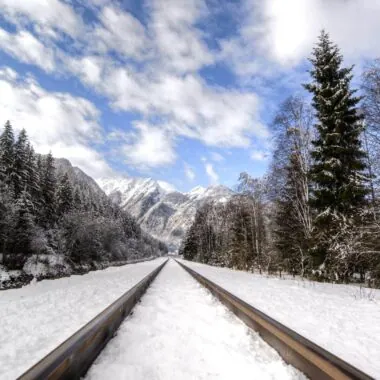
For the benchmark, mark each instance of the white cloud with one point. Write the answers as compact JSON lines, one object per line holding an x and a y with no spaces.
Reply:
{"x":48,"y":16}
{"x":166,"y":88}
{"x":151,"y":147}
{"x":189,"y":172}
{"x":59,"y":122}
{"x":178,"y":41}
{"x":259,"y":155}
{"x":213,"y":115}
{"x":210,"y":171}
{"x":217,"y":157}
{"x":275,"y":33}
{"x":120,"y":32}
{"x":24,"y":46}
{"x":90,"y":69}
{"x":294,"y":27}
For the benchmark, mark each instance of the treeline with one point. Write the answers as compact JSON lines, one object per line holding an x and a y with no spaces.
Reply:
{"x":44,"y":213}
{"x":316,"y":212}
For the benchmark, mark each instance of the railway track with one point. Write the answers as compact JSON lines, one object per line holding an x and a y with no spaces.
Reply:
{"x":311,"y":359}
{"x":73,"y":358}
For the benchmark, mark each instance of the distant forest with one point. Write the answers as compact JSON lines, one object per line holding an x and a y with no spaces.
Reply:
{"x":317,"y":211}
{"x":47,"y":218}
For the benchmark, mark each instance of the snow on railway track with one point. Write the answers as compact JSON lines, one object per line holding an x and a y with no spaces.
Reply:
{"x":180,"y":331}
{"x":311,"y":359}
{"x":38,"y":317}
{"x":342,"y":319}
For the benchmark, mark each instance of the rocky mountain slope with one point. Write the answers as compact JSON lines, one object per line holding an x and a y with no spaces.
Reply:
{"x":79,"y":178}
{"x":161,"y":211}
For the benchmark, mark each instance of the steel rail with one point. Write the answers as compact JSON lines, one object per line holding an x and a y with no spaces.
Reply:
{"x":72,"y":359}
{"x":311,"y":359}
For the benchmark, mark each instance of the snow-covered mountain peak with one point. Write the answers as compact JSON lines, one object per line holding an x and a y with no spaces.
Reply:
{"x":161,"y":210}
{"x":169,"y":188}
{"x":132,"y":185}
{"x":196,"y":191}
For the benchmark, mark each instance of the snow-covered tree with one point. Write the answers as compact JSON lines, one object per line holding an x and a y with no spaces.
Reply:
{"x":338,"y":171}
{"x":39,"y":215}
{"x":23,"y":232}
{"x":371,"y":103}
{"x":48,"y":189}
{"x":64,"y":196}
{"x":33,"y":177}
{"x":289,"y":179}
{"x":7,"y":152}
{"x":78,"y":203}
{"x":20,"y":173}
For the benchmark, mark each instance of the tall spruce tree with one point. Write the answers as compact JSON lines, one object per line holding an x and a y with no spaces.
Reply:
{"x":20,"y":173}
{"x":7,"y":153}
{"x":48,"y":188}
{"x":339,"y":188}
{"x":33,"y":177}
{"x":23,"y":232}
{"x":65,"y":198}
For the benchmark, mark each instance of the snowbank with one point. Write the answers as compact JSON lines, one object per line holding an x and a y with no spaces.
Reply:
{"x":38,"y":317}
{"x":52,"y":266}
{"x":344,"y":319}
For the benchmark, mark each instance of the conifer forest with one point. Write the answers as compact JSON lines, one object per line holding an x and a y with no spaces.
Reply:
{"x":66,"y":224}
{"x":316,"y":212}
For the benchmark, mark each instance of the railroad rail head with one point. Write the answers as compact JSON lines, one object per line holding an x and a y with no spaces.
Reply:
{"x":311,"y":359}
{"x":72,"y":359}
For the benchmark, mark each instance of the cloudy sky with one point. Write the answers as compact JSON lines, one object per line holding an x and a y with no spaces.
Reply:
{"x":178,"y":90}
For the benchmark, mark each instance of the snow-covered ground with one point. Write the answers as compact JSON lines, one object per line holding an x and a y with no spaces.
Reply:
{"x":36,"y":318}
{"x":180,"y":331}
{"x":344,"y":319}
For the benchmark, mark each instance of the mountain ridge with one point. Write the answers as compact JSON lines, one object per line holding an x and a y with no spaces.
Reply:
{"x":165,"y":214}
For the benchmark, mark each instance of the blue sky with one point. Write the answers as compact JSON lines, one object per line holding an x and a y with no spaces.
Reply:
{"x":180,"y":91}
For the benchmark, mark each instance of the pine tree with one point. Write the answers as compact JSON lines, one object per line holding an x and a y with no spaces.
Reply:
{"x":7,"y":153}
{"x":65,"y":200}
{"x":23,"y":232}
{"x":20,"y":174}
{"x":77,"y":199}
{"x":48,"y":189}
{"x":339,"y":161}
{"x":33,"y":177}
{"x":238,"y":246}
{"x":189,"y":246}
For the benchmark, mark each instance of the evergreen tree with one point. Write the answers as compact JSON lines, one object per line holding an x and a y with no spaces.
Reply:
{"x":7,"y":153}
{"x":189,"y":246}
{"x":77,"y":199}
{"x":238,"y":250}
{"x":33,"y":177}
{"x":23,"y":232}
{"x":48,"y":188}
{"x":20,"y":174}
{"x":65,"y":200}
{"x":339,"y":162}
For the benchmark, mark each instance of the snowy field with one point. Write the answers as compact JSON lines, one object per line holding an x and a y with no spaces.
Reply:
{"x":344,"y":319}
{"x":36,"y":318}
{"x":180,"y":331}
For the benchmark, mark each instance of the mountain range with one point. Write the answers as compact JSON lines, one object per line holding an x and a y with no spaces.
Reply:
{"x":160,"y":210}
